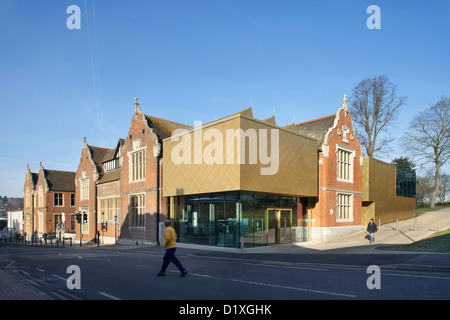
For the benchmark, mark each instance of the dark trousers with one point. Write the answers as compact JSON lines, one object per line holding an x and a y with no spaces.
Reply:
{"x":169,"y":257}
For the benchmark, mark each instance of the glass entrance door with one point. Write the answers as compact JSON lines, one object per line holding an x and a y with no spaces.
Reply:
{"x":279,"y":226}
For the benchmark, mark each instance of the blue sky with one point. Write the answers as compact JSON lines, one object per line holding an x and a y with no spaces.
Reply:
{"x":192,"y":60}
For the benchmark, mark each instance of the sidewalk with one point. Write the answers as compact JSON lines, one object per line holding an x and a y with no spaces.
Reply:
{"x":409,"y":231}
{"x":14,"y":288}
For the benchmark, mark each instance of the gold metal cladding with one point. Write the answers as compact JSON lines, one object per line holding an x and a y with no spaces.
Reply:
{"x":285,"y":161}
{"x":379,"y":194}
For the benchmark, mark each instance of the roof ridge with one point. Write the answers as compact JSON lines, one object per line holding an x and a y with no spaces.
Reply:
{"x":53,"y":170}
{"x":146,"y":115}
{"x":91,"y":146}
{"x":317,"y":119}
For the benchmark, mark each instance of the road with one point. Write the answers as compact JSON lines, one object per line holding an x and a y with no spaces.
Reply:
{"x":131,"y":274}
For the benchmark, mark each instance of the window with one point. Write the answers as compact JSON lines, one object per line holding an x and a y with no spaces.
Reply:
{"x":137,"y":204}
{"x":137,"y":165}
{"x":40,"y":197}
{"x":344,"y":165}
{"x":72,"y":200}
{"x":58,"y":200}
{"x":84,"y":189}
{"x":28,"y":198}
{"x":109,"y":208}
{"x":41,"y":221}
{"x":111,"y":165}
{"x":406,"y":183}
{"x":73,"y":222}
{"x":58,"y":221}
{"x":344,"y":207}
{"x":84,"y":226}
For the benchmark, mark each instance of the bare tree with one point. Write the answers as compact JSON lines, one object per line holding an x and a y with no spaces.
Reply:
{"x":374,"y":104}
{"x":428,"y":139}
{"x":444,"y":187}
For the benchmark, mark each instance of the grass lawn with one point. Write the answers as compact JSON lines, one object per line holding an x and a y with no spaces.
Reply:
{"x":420,"y":211}
{"x":438,"y":242}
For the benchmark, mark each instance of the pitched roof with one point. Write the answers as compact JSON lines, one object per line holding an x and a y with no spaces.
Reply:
{"x":110,"y":154}
{"x":316,"y":128}
{"x":110,"y":176}
{"x":164,"y":128}
{"x":35,"y":177}
{"x":97,"y":155}
{"x":60,"y":180}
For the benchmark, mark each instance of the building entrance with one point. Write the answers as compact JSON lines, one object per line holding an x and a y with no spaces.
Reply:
{"x":279,"y":225}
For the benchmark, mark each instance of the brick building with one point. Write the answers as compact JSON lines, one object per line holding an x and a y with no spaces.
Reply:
{"x":120,"y":188}
{"x":318,"y":187}
{"x":337,"y":209}
{"x":49,"y":202}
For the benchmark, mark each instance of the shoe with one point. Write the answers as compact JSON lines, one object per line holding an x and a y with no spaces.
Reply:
{"x":183,"y":274}
{"x":161,"y":274}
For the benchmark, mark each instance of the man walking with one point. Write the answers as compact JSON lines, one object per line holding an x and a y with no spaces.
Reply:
{"x":170,"y":239}
{"x":372,"y":228}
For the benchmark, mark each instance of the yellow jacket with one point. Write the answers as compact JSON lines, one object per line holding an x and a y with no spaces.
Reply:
{"x":170,"y":238}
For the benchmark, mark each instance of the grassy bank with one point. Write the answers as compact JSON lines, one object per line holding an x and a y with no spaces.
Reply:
{"x":438,"y":242}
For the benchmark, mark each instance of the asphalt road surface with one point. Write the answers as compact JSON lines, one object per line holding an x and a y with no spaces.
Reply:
{"x":220,"y":276}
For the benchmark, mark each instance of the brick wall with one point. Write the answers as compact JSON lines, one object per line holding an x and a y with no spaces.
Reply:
{"x":140,"y":137}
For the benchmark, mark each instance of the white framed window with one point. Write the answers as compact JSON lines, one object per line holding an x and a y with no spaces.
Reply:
{"x":109,"y":208}
{"x":58,"y":200}
{"x":40,"y":228}
{"x":344,"y":164}
{"x":40,"y":197}
{"x":84,"y":226}
{"x":28,"y":198}
{"x":344,"y":207}
{"x":137,"y":165}
{"x":137,"y":204}
{"x":84,"y":189}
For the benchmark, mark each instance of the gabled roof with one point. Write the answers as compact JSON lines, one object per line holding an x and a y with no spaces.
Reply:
{"x":316,"y":128}
{"x":164,"y":128}
{"x":97,"y":155}
{"x":60,"y":180}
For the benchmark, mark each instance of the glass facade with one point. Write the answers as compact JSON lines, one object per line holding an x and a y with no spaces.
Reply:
{"x":224,"y":219}
{"x":406,"y":183}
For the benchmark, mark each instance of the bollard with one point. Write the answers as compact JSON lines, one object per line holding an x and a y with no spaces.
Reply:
{"x":379,"y":223}
{"x":397,"y":224}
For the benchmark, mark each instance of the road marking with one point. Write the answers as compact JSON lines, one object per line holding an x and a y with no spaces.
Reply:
{"x":415,"y":276}
{"x":39,"y":269}
{"x":61,"y":278}
{"x":109,"y":295}
{"x":277,"y":286}
{"x":57,"y":295}
{"x":279,"y":265}
{"x":69,"y":294}
{"x":25,"y":273}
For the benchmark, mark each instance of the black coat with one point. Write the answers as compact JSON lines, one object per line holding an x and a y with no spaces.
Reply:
{"x":372,"y":227}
